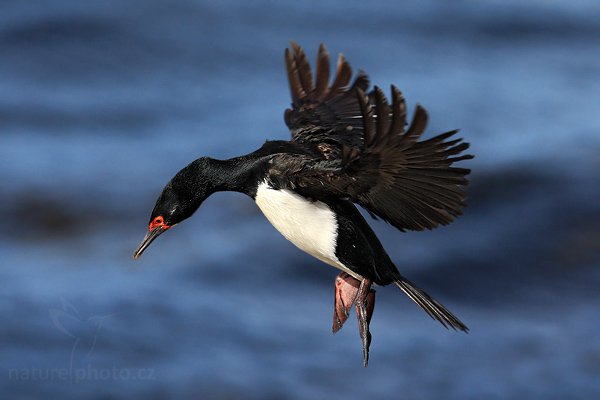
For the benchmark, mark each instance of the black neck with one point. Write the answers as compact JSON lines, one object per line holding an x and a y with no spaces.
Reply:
{"x":239,"y":174}
{"x":206,"y":176}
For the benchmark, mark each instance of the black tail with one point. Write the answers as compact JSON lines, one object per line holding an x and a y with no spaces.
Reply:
{"x":431,"y":306}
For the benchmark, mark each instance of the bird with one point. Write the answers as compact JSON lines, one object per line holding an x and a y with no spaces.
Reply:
{"x":350,"y":146}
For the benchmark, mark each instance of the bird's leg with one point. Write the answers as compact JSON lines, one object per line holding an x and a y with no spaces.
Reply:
{"x":365,"y":304}
{"x":349,"y":291}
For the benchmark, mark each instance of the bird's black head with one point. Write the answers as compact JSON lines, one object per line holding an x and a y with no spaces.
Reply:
{"x":180,"y":198}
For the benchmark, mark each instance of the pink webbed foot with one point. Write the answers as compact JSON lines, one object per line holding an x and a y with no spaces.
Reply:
{"x":346,"y":289}
{"x":349,"y":291}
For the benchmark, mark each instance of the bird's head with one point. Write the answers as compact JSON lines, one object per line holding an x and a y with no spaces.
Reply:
{"x":180,"y":198}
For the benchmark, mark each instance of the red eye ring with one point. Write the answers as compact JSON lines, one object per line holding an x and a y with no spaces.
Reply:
{"x":158,"y":222}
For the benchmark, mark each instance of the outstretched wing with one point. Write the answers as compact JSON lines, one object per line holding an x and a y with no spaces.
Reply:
{"x":409,"y":183}
{"x":321,"y":112}
{"x":413,"y":184}
{"x":368,"y":157}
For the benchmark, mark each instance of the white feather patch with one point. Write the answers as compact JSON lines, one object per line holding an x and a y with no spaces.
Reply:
{"x":310,"y":225}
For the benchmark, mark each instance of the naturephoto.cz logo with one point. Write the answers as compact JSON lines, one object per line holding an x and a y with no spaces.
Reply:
{"x":84,"y":333}
{"x":80,"y":374}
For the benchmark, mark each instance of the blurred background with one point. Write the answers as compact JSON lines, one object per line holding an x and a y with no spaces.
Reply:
{"x":101,"y":102}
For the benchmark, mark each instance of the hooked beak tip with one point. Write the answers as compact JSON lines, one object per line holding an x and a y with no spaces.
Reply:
{"x":137,"y":253}
{"x":149,"y":238}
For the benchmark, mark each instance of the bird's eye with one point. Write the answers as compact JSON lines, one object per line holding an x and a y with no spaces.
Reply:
{"x":158,"y":220}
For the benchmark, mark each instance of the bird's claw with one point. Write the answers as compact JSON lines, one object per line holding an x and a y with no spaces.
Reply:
{"x":349,"y":291}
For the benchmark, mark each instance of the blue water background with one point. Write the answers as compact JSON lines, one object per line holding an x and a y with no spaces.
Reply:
{"x":101,"y":102}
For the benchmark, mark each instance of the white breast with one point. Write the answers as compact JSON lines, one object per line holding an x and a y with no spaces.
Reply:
{"x":310,"y":225}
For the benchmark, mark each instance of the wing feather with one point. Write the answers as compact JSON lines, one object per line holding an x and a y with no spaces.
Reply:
{"x":320,"y":111}
{"x":343,"y":74}
{"x":296,"y":88}
{"x":322,"y":75}
{"x":302,"y":68}
{"x":366,"y":111}
{"x":383,"y":112}
{"x":399,"y":110}
{"x":370,"y":158}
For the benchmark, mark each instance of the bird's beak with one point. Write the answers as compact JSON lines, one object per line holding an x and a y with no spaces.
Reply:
{"x":150,"y":236}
